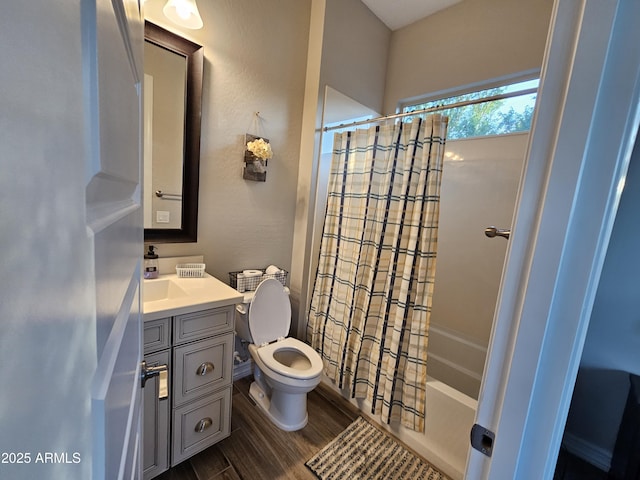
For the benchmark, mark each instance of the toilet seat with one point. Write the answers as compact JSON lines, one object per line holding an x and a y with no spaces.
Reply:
{"x":269,"y":321}
{"x":267,"y":352}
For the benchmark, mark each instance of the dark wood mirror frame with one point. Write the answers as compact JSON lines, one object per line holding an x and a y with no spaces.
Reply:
{"x":194,"y":56}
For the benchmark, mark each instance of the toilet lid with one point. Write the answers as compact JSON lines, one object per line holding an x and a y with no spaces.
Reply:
{"x":269,"y":312}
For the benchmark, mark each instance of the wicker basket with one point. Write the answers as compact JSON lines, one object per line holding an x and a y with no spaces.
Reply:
{"x":190,"y":270}
{"x":247,"y":284}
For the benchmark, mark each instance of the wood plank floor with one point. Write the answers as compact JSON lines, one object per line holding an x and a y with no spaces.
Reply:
{"x":258,"y":449}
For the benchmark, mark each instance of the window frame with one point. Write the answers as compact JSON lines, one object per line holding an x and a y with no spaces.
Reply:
{"x":504,"y":81}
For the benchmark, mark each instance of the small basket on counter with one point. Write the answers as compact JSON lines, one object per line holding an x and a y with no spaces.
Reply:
{"x":247,"y":283}
{"x":190,"y":270}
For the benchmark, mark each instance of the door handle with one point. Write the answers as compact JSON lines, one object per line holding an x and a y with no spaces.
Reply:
{"x":147,"y":372}
{"x":492,"y":232}
{"x":160,"y":371}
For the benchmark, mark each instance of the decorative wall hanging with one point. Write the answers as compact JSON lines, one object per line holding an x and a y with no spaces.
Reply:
{"x":256,"y":156}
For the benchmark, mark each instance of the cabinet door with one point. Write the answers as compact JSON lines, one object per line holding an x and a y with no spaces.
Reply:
{"x":200,"y":424}
{"x":202,"y":368}
{"x":156,"y":335}
{"x":156,"y":421}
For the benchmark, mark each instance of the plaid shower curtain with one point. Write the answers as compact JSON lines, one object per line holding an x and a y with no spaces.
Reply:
{"x":371,"y":302}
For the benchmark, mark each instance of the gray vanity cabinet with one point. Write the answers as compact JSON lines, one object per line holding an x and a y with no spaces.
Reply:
{"x":202,"y":380}
{"x":197,"y":414}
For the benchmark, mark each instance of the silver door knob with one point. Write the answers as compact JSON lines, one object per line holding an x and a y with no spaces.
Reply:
{"x":492,"y":232}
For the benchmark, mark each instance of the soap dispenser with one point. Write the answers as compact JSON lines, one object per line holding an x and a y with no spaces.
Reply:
{"x":151,"y":269}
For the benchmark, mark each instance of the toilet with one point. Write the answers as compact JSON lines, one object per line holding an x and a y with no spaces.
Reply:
{"x":286,"y":369}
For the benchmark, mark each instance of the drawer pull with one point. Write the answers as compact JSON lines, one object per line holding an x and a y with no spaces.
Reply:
{"x":205,"y":368}
{"x":203,"y":424}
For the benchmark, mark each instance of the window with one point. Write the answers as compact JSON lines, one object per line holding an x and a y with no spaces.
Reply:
{"x":492,"y":117}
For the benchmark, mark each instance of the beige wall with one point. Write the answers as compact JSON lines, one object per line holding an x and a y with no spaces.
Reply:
{"x":255,"y":59}
{"x":348,"y":52}
{"x":354,"y":52}
{"x":473,"y":41}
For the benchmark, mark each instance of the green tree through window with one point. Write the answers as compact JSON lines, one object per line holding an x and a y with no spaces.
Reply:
{"x":494,"y":117}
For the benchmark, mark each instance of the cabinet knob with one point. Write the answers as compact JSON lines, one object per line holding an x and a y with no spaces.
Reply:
{"x":203,"y":424}
{"x":205,"y":368}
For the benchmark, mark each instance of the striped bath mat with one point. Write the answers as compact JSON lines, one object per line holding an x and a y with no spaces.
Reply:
{"x":362,"y":452}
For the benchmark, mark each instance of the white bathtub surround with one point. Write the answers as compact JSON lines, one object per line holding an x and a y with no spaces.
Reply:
{"x":455,"y":358}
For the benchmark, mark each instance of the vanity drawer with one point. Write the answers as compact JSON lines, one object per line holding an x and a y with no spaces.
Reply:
{"x":194,"y":326}
{"x":202,"y":367}
{"x":157,"y":334}
{"x":200,"y":424}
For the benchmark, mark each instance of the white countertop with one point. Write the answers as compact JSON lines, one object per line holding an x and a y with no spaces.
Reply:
{"x":202,"y":293}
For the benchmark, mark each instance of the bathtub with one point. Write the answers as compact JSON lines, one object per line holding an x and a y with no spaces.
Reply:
{"x":449,"y":418}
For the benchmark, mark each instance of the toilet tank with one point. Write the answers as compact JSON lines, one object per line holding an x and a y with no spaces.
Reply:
{"x":242,"y":317}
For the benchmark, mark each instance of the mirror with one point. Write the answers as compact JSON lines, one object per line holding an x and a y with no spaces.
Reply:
{"x":173,"y":104}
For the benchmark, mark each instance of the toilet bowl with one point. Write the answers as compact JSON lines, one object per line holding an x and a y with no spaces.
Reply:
{"x":286,"y":369}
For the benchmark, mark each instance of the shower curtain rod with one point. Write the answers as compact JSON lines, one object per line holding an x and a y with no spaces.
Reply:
{"x":500,"y":96}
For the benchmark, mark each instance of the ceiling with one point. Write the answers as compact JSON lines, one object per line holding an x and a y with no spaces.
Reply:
{"x":399,"y":13}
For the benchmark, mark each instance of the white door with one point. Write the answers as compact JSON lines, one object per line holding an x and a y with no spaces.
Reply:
{"x":584,"y":131}
{"x":114,"y":37}
{"x":70,"y":239}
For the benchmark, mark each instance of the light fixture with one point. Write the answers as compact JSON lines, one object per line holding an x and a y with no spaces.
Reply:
{"x":184,"y":13}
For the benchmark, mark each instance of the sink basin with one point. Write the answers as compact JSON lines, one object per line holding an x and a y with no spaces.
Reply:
{"x":161,"y":289}
{"x":171,"y":295}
